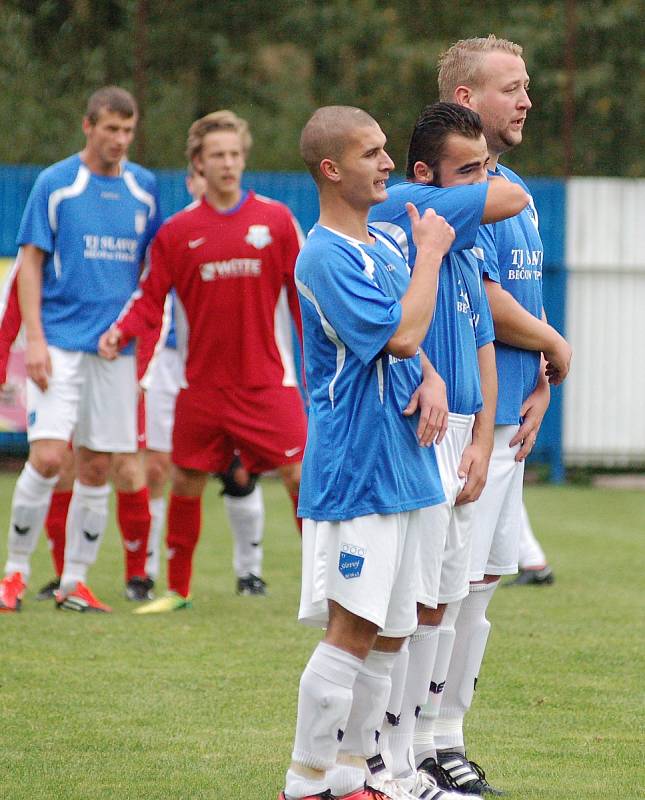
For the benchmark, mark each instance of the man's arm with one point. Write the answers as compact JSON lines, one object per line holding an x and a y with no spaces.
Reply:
{"x":433,"y":237}
{"x":30,"y":280}
{"x":504,"y":199}
{"x":431,"y":401}
{"x":475,"y":458}
{"x":532,"y":412}
{"x":516,"y":326}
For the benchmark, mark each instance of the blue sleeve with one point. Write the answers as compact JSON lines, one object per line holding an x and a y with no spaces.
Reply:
{"x":360,"y":313}
{"x":488,"y":250}
{"x":34,"y":226}
{"x":485,"y":329}
{"x":461,"y":206}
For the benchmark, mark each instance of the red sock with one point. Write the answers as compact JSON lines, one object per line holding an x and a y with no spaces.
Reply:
{"x":294,"y":500}
{"x":184,"y":524}
{"x":133,"y":515}
{"x":55,"y":526}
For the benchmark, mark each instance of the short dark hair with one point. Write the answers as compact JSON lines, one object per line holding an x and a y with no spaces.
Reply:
{"x":433,"y":126}
{"x":112,"y":98}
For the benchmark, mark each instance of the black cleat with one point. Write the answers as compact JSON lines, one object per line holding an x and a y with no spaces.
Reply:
{"x":533,"y":577}
{"x":251,"y":585}
{"x":139,"y":589}
{"x":468,"y":776}
{"x":436,"y":771}
{"x":47,"y":591}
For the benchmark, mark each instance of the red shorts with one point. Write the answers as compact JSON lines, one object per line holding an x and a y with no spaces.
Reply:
{"x":267,"y":426}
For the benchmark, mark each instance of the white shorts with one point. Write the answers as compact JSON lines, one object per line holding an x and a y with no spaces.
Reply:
{"x":444,"y":549}
{"x":498,"y":512}
{"x":164,"y":382}
{"x":88,"y":397}
{"x":368,"y":565}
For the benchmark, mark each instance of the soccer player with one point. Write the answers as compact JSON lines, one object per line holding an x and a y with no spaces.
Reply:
{"x":230,"y":259}
{"x":366,"y":480}
{"x":446,"y":171}
{"x":83,"y":237}
{"x":532,"y":561}
{"x":488,"y":75}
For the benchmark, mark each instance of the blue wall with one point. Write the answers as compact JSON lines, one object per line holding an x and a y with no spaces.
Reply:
{"x":297,"y":190}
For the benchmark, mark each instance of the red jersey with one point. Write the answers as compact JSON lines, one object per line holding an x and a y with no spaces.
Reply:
{"x":233,"y":277}
{"x":10,"y":318}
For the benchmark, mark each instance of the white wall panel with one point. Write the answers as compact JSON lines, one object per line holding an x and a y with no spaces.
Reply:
{"x":604,"y":408}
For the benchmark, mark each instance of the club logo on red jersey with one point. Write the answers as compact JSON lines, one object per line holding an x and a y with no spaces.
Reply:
{"x":259,"y":236}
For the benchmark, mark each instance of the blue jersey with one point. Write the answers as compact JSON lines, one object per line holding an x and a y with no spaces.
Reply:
{"x":462,"y":320}
{"x":94,"y":231}
{"x":513,"y":256}
{"x":362,"y":455}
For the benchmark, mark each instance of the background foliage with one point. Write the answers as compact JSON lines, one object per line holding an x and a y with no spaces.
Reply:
{"x":276,"y":62}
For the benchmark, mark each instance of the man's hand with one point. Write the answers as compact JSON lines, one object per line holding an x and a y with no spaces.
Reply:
{"x":38,"y":362}
{"x":431,"y":401}
{"x":474,"y":468}
{"x":430,"y":232}
{"x":109,"y":343}
{"x":558,"y":361}
{"x":532,"y":413}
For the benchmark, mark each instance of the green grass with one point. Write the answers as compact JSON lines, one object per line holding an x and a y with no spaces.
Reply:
{"x":200,"y":704}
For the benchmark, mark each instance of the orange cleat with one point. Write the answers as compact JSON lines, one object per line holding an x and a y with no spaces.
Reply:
{"x":12,"y":588}
{"x":80,"y":599}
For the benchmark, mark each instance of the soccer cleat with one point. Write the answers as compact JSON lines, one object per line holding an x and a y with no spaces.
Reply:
{"x":326,"y":795}
{"x":80,"y":599}
{"x":422,"y":785}
{"x":468,"y":776}
{"x":171,"y":601}
{"x":430,"y":767}
{"x":370,"y":793}
{"x":252,"y":584}
{"x":12,"y":588}
{"x":533,"y":577}
{"x":139,"y":589}
{"x":47,"y":591}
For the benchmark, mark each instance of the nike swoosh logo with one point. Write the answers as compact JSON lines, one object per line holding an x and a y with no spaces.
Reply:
{"x":292,"y":452}
{"x":132,"y":546}
{"x":91,"y":537}
{"x":193,"y":243}
{"x":21,"y":531}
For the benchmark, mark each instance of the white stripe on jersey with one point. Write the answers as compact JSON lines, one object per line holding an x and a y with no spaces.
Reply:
{"x":284,"y":339}
{"x":166,"y":319}
{"x":330,"y":333}
{"x":140,"y":193}
{"x":398,"y":234}
{"x":65,"y":192}
{"x":478,"y":252}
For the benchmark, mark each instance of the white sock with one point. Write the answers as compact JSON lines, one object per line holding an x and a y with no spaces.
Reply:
{"x":423,"y":651}
{"x":361,"y":739}
{"x":472,"y":630}
{"x":157,"y":520}
{"x":86,"y":523}
{"x":246,"y":518}
{"x":530,"y":552}
{"x":324,"y":704}
{"x":31,"y":499}
{"x":424,"y":730}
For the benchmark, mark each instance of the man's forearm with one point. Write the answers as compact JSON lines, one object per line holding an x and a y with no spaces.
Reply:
{"x":484,"y":425}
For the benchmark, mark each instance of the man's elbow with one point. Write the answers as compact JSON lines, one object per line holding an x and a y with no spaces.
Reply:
{"x":402,"y":346}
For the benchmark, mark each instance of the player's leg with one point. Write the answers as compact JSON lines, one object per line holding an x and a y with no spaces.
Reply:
{"x":51,"y":417}
{"x":56,"y":522}
{"x":244,"y":506}
{"x":158,"y":468}
{"x":533,"y":564}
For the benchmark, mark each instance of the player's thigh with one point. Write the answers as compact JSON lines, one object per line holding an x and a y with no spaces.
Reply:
{"x":449,"y":453}
{"x":53,"y":414}
{"x":268,"y":425}
{"x":107,"y":420}
{"x":161,"y":397}
{"x":432,"y":542}
{"x":455,"y":564}
{"x":504,"y":551}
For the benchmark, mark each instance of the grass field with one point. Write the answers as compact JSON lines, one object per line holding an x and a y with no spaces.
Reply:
{"x":200,"y":704}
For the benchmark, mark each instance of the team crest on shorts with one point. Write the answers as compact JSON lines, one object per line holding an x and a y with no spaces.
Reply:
{"x":259,"y":236}
{"x":352,"y":558}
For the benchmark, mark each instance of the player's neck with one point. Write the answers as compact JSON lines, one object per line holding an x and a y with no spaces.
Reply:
{"x":97,"y":166}
{"x":348,"y":221}
{"x":224,"y":201}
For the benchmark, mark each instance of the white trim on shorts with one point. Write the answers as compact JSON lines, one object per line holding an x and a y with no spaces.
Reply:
{"x":498,"y":512}
{"x":89,"y":398}
{"x":368,"y":565}
{"x":444,"y":548}
{"x":163,"y":384}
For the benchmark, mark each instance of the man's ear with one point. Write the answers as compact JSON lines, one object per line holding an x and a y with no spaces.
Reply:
{"x":422,"y":172}
{"x":329,"y":170}
{"x":463,"y":96}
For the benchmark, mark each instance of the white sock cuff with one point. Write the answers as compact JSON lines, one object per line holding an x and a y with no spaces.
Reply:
{"x":424,"y":632}
{"x":335,"y":665}
{"x":379,"y":663}
{"x":483,"y":587}
{"x":157,"y":504}
{"x":32,"y":474}
{"x":93,"y":497}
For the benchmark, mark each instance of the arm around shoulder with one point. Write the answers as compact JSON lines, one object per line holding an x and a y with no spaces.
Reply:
{"x":504,"y":199}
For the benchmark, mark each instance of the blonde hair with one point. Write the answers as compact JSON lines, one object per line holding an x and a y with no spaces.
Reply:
{"x":223,"y":120}
{"x":460,"y":64}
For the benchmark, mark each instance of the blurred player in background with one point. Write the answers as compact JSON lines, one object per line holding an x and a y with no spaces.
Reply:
{"x":488,"y":75}
{"x":83,"y":237}
{"x":534,"y":567}
{"x":230,"y":259}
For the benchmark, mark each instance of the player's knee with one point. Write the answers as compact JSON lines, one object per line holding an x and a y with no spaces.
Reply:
{"x":46,"y":459}
{"x":128,"y":472}
{"x":157,"y":469}
{"x":431,"y":616}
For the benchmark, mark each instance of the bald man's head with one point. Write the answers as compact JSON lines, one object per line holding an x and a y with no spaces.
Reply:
{"x":327,"y":133}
